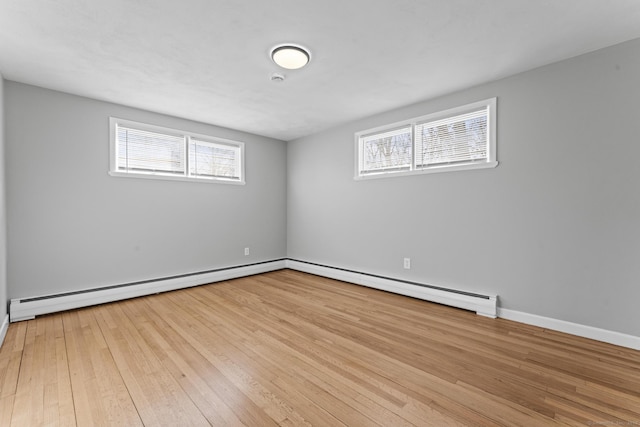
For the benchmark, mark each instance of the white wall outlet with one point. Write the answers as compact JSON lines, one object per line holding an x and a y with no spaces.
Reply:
{"x":407,"y":263}
{"x":246,"y":251}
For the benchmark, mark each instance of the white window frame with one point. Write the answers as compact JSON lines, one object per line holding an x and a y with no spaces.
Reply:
{"x":114,"y":122}
{"x":490,"y":161}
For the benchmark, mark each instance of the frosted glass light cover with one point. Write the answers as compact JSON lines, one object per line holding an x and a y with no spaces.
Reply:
{"x":290,"y":57}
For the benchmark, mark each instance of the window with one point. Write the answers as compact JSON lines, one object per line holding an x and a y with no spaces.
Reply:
{"x":148,"y":151}
{"x":456,"y":139}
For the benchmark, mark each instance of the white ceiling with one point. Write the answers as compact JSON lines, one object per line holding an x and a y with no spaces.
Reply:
{"x":207,"y":60}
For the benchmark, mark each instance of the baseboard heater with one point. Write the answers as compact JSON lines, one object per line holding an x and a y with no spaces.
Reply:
{"x":28,"y":308}
{"x":484,"y":305}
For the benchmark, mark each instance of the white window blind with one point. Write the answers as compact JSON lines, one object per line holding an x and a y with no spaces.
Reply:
{"x":144,"y":151}
{"x":455,"y":139}
{"x":148,"y":151}
{"x":387,"y":151}
{"x":211,"y":160}
{"x":458,"y":139}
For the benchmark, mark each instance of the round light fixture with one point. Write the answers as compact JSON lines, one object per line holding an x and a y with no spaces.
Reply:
{"x":290,"y":56}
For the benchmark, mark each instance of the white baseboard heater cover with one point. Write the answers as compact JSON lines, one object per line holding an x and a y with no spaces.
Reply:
{"x":28,"y":308}
{"x":484,"y":305}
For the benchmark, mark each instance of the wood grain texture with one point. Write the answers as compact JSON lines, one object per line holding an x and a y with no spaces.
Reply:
{"x":292,"y":349}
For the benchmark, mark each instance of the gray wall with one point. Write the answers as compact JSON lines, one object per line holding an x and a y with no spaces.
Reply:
{"x":3,"y":217}
{"x":554,"y":230}
{"x":72,"y":226}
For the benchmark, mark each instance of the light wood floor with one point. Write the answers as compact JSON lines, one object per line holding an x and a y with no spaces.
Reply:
{"x":287,"y":348}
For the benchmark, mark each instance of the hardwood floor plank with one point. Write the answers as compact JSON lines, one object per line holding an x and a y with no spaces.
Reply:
{"x":10,"y":359}
{"x":100,"y":395}
{"x":58,"y":397}
{"x":291,"y":349}
{"x":43,"y":394}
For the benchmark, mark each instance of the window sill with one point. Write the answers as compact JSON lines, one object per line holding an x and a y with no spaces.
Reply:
{"x":177,"y":178}
{"x":433,"y":169}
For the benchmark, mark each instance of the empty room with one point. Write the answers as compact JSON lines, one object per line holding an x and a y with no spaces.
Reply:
{"x":297,"y":213}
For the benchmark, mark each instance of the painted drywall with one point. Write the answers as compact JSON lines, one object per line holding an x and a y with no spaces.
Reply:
{"x":3,"y":217}
{"x":554,"y":230}
{"x":74,"y":227}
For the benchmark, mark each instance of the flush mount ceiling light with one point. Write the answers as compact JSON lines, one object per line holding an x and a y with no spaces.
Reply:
{"x":290,"y":56}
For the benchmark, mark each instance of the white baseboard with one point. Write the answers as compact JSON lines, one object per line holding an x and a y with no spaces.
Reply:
{"x":577,"y":329}
{"x":4,"y":328}
{"x":482,"y":305}
{"x":28,"y":308}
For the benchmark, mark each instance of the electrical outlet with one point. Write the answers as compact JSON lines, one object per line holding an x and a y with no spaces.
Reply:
{"x":246,"y":251}
{"x":407,"y":263}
